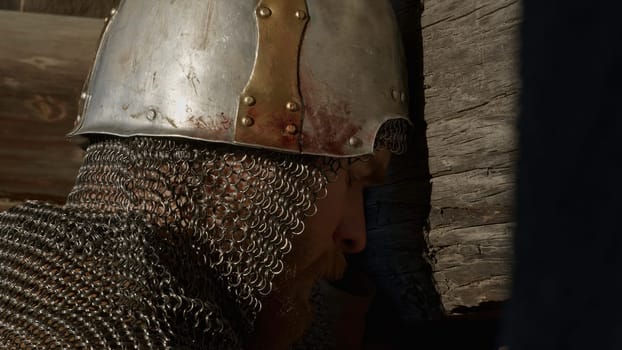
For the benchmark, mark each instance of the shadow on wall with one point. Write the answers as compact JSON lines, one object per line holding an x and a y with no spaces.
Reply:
{"x":397,"y":217}
{"x":407,"y":311}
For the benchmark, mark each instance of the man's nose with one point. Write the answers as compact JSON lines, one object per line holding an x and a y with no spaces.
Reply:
{"x":351,"y":235}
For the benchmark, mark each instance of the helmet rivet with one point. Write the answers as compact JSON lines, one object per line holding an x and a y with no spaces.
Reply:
{"x":84,"y":96}
{"x":113,"y":12}
{"x":403,"y":97}
{"x":79,"y":117}
{"x":247,"y":121}
{"x":264,"y":12}
{"x":301,"y":15}
{"x":292,"y":106}
{"x":395,"y":94}
{"x":291,"y":129}
{"x":354,"y":141}
{"x":249,"y":101}
{"x":152,"y":114}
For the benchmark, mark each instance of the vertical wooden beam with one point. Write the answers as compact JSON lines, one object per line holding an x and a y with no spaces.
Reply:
{"x":471,"y":87}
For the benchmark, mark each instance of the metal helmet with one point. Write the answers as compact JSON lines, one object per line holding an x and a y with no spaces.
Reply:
{"x":314,"y":78}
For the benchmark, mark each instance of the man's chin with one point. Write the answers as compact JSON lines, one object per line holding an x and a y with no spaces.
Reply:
{"x":287,"y":312}
{"x":283,"y":320}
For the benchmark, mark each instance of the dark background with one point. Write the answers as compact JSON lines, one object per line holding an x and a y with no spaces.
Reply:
{"x":567,"y":283}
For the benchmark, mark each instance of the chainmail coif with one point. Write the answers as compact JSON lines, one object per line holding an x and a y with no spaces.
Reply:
{"x":162,"y":244}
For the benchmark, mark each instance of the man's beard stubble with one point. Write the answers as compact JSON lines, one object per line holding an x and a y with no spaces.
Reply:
{"x":287,"y":312}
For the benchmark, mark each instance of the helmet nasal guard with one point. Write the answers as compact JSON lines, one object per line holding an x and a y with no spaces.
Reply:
{"x":315,"y":78}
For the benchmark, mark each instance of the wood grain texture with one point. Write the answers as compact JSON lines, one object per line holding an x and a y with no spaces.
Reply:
{"x":84,"y":8}
{"x":6,"y":203}
{"x":10,"y":5}
{"x":44,"y":60}
{"x":471,"y":86}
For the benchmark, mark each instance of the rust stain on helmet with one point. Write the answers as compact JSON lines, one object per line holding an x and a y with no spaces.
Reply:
{"x":273,"y":127}
{"x":217,"y":126}
{"x":327,"y":127}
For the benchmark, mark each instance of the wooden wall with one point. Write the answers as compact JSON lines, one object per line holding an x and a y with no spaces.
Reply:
{"x":84,"y":8}
{"x":44,"y":60}
{"x":471,"y":87}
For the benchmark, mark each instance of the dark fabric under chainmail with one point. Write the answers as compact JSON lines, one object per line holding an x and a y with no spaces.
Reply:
{"x":163,"y":243}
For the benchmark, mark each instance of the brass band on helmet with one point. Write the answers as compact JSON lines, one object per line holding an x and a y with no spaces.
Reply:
{"x":315,"y":78}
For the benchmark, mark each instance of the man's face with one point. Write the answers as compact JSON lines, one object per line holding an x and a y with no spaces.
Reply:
{"x":337,"y":229}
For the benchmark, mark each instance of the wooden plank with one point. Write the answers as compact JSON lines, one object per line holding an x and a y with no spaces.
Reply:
{"x":6,"y":203}
{"x":471,"y":86}
{"x":44,"y":60}
{"x":84,"y":8}
{"x":10,"y":5}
